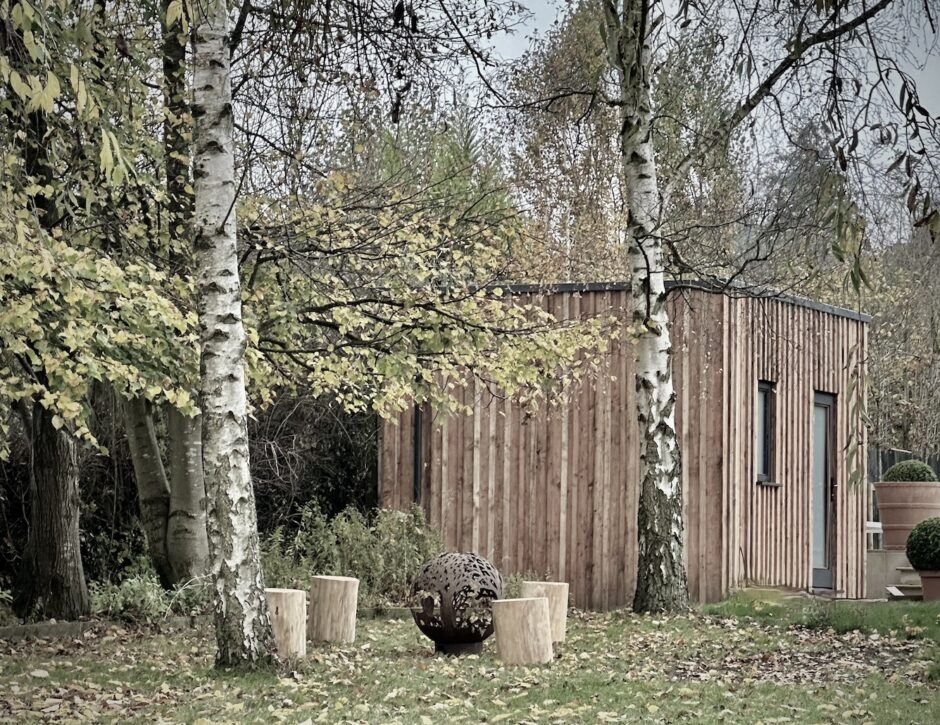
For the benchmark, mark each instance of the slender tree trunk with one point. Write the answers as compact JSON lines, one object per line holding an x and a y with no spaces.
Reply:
{"x":187,"y":544}
{"x":177,"y":143}
{"x":243,"y":629}
{"x":51,"y":578}
{"x":172,"y":509}
{"x":661,"y":575}
{"x":153,"y":491}
{"x":187,"y":541}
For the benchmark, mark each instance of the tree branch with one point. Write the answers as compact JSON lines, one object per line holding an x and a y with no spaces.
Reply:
{"x":799,"y":49}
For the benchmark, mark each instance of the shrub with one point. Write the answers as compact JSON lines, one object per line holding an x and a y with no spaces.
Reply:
{"x":403,"y":542}
{"x":6,"y":608}
{"x":910,"y":471}
{"x":383,"y":551}
{"x":923,"y":545}
{"x":191,"y":599}
{"x":138,"y":598}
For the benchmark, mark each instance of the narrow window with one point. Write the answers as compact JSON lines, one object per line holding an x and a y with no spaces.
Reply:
{"x":765,"y":431}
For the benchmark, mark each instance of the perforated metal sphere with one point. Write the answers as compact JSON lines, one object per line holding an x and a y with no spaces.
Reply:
{"x":451,"y":601}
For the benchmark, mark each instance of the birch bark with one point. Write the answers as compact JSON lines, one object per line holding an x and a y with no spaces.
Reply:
{"x":662,"y":583}
{"x":243,"y":628}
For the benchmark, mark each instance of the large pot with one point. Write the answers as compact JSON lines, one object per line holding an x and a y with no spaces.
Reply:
{"x":930,"y":585}
{"x":902,"y":505}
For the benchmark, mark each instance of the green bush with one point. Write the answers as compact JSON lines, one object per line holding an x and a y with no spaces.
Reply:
{"x":923,"y":545}
{"x":138,"y":598}
{"x":6,"y":608}
{"x":910,"y":471}
{"x":383,"y":551}
{"x":191,"y":599}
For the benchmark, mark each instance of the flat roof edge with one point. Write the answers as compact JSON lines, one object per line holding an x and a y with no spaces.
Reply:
{"x":704,"y":286}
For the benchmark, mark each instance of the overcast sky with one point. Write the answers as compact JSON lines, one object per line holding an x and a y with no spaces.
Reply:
{"x":544,"y":12}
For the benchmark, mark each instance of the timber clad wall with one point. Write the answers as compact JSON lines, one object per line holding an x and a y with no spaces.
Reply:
{"x":555,"y":493}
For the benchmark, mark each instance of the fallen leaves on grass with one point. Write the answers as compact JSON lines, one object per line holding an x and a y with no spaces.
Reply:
{"x":614,"y":667}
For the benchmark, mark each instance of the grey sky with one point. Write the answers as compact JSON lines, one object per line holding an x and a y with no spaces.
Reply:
{"x":544,"y":12}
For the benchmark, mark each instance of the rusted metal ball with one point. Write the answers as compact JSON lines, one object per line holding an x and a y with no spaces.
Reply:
{"x":451,"y":601}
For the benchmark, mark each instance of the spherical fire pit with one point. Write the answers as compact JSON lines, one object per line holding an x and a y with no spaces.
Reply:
{"x":451,"y":601}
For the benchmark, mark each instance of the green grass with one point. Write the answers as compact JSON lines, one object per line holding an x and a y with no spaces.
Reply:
{"x":768,"y":606}
{"x":905,"y":619}
{"x":614,"y":667}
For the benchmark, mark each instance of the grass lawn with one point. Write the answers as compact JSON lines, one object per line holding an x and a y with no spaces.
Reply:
{"x":722,"y":666}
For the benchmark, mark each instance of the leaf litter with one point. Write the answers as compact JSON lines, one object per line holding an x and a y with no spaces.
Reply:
{"x":614,"y":667}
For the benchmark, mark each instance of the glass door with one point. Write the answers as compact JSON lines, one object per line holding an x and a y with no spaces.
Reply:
{"x":823,"y":490}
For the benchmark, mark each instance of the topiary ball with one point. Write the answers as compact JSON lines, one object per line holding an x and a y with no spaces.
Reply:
{"x":910,"y":471}
{"x":923,"y":545}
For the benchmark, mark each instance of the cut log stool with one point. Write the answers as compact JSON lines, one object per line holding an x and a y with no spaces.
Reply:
{"x":288,"y":611}
{"x":523,"y":631}
{"x":557,"y":595}
{"x":332,"y":614}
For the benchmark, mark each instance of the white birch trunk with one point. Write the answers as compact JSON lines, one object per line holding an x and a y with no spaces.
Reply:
{"x":243,"y":628}
{"x":662,"y":583}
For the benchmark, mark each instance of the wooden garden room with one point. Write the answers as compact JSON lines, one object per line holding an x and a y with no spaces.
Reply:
{"x":769,"y":413}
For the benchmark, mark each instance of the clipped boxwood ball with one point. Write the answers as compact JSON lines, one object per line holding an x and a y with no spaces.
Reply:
{"x":910,"y":471}
{"x":923,"y":545}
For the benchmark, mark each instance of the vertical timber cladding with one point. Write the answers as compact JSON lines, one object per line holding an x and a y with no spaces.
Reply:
{"x":803,"y":350}
{"x":554,"y":493}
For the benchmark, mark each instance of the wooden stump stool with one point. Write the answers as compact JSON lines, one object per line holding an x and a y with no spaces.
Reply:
{"x":523,"y":631}
{"x":557,"y":595}
{"x":288,"y":611}
{"x":332,"y":614}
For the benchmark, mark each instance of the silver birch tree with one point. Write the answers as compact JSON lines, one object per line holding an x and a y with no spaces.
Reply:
{"x":661,"y":574}
{"x":243,"y":628}
{"x":628,"y":27}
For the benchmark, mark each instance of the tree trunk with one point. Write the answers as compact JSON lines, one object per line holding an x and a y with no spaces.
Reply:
{"x":243,"y":629}
{"x":172,"y":510}
{"x":153,"y":491}
{"x":661,"y":576}
{"x":187,"y":544}
{"x":51,"y":578}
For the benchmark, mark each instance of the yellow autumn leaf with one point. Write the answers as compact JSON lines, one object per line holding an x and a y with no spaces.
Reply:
{"x":43,"y":96}
{"x":174,"y":11}
{"x":81,"y":96}
{"x":107,"y":155}
{"x":20,"y":87}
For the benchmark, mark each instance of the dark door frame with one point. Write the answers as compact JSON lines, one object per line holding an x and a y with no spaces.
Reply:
{"x":823,"y":577}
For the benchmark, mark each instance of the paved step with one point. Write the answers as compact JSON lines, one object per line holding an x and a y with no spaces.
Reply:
{"x":905,"y":591}
{"x":907,"y":575}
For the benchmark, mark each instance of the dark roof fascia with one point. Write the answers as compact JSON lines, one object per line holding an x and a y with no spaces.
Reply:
{"x":704,"y":286}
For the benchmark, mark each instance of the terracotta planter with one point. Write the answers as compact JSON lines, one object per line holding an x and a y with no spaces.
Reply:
{"x":902,"y":506}
{"x":930,"y":583}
